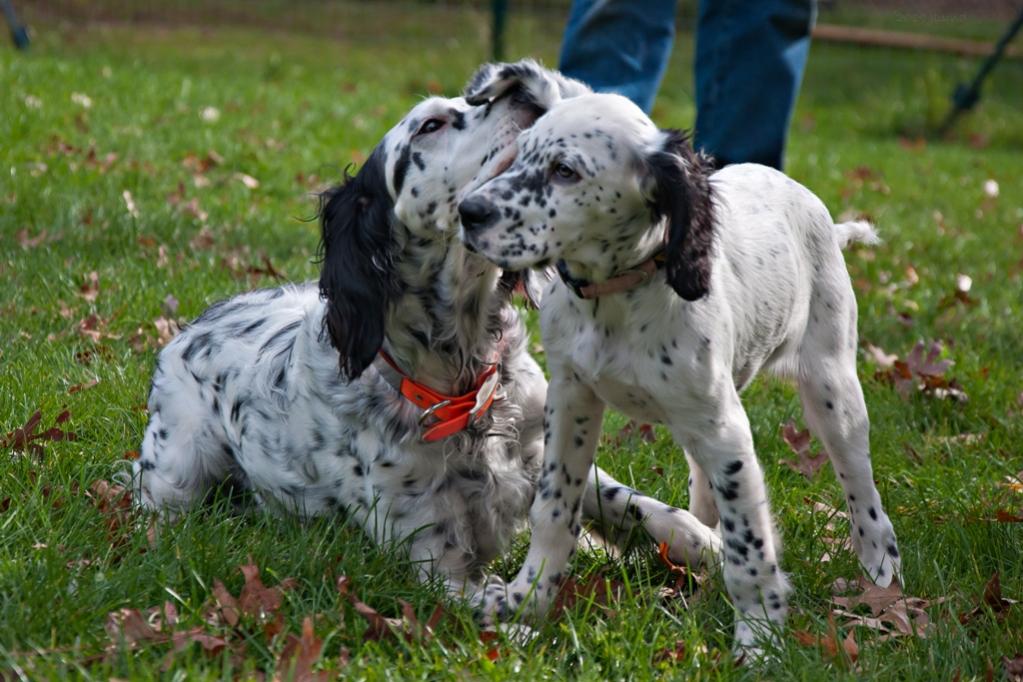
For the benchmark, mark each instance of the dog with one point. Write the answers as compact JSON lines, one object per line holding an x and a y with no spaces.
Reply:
{"x":398,"y":390}
{"x":677,"y":286}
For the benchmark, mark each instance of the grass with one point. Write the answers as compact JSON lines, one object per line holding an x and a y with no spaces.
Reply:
{"x":294,"y":107}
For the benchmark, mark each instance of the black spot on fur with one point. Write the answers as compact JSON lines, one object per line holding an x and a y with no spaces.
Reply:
{"x":733,"y":467}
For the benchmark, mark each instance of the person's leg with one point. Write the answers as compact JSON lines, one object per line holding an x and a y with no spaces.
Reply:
{"x":619,"y":46}
{"x":750,"y":56}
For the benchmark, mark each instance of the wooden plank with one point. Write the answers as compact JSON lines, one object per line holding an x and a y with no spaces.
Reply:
{"x":872,"y":37}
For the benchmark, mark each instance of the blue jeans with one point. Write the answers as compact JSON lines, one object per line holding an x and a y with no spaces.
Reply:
{"x":750,"y":57}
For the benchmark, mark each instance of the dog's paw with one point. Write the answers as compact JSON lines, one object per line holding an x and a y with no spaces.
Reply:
{"x":498,"y":602}
{"x":878,"y":551}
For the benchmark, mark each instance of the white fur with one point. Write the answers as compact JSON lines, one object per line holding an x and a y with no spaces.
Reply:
{"x":250,"y":393}
{"x":779,"y":300}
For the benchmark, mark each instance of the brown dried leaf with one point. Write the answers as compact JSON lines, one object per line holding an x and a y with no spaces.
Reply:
{"x":598,"y":589}
{"x":298,"y":656}
{"x":1003,"y":516}
{"x":89,"y":290}
{"x":28,"y":439}
{"x":114,"y":503}
{"x":806,"y":463}
{"x":381,"y":627}
{"x":131,"y":626}
{"x":202,"y":240}
{"x":892,"y":613}
{"x":923,"y":371}
{"x":166,"y":329}
{"x":992,"y":600}
{"x":82,"y":387}
{"x":94,"y":328}
{"x":258,"y":600}
{"x":227,"y":605}
{"x":830,"y":644}
{"x":1013,"y":667}
{"x":644,"y":431}
{"x":881,"y":358}
{"x":211,"y":644}
{"x":672,"y":654}
{"x":27,"y":242}
{"x":247,"y":180}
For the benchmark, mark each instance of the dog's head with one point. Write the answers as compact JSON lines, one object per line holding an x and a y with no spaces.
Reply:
{"x":595,"y":183}
{"x":415,"y":177}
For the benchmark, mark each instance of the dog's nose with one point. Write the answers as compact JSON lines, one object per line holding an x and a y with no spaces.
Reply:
{"x":477,"y":213}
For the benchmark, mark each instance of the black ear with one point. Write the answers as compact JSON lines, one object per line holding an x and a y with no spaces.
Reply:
{"x":356,"y":265}
{"x":538,"y":85}
{"x":681,"y":193}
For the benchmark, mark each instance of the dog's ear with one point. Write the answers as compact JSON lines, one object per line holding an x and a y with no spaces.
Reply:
{"x":356,"y":278}
{"x":540,"y":86}
{"x":679,"y":190}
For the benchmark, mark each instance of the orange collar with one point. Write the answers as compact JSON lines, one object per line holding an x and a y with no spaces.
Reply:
{"x":451,"y":413}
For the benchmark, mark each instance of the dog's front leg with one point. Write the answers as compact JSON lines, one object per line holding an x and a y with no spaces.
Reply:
{"x":572,"y":421}
{"x":754,"y":580}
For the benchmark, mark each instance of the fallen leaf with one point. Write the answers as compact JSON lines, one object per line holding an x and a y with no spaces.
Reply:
{"x":28,"y":439}
{"x":672,"y":654}
{"x":893,"y":614}
{"x":645,"y":432}
{"x":94,"y":328}
{"x":131,"y":627}
{"x":211,"y":644}
{"x":82,"y":387}
{"x":90,"y":289}
{"x":597,"y":589}
{"x":807,"y":463}
{"x":247,"y":180}
{"x":27,"y":242}
{"x":382,"y":627}
{"x":830,"y":644}
{"x":170,"y":305}
{"x":1013,"y":667}
{"x":129,"y":204}
{"x":923,"y":371}
{"x":881,"y":358}
{"x":114,"y":503}
{"x":226,"y":603}
{"x":298,"y":656}
{"x":992,"y":600}
{"x":486,"y":637}
{"x":258,"y":600}
{"x":202,"y":240}
{"x":81,"y":99}
{"x":1003,"y":516}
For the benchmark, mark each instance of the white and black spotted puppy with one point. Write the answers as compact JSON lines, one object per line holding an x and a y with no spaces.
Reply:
{"x":399,"y":389}
{"x":677,"y":286}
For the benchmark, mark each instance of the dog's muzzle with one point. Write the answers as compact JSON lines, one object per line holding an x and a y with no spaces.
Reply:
{"x":477,"y":213}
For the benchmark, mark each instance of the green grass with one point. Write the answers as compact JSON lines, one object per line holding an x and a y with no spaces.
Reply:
{"x":295,"y":107}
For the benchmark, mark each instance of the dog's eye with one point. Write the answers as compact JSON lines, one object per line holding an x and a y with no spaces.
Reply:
{"x":565,"y":173}
{"x":430,"y":125}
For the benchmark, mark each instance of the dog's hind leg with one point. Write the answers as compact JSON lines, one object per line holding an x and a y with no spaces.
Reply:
{"x":617,"y":509}
{"x":180,"y":461}
{"x":837,"y":414}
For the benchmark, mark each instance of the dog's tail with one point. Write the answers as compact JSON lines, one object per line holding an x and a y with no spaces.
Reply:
{"x":856,"y":231}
